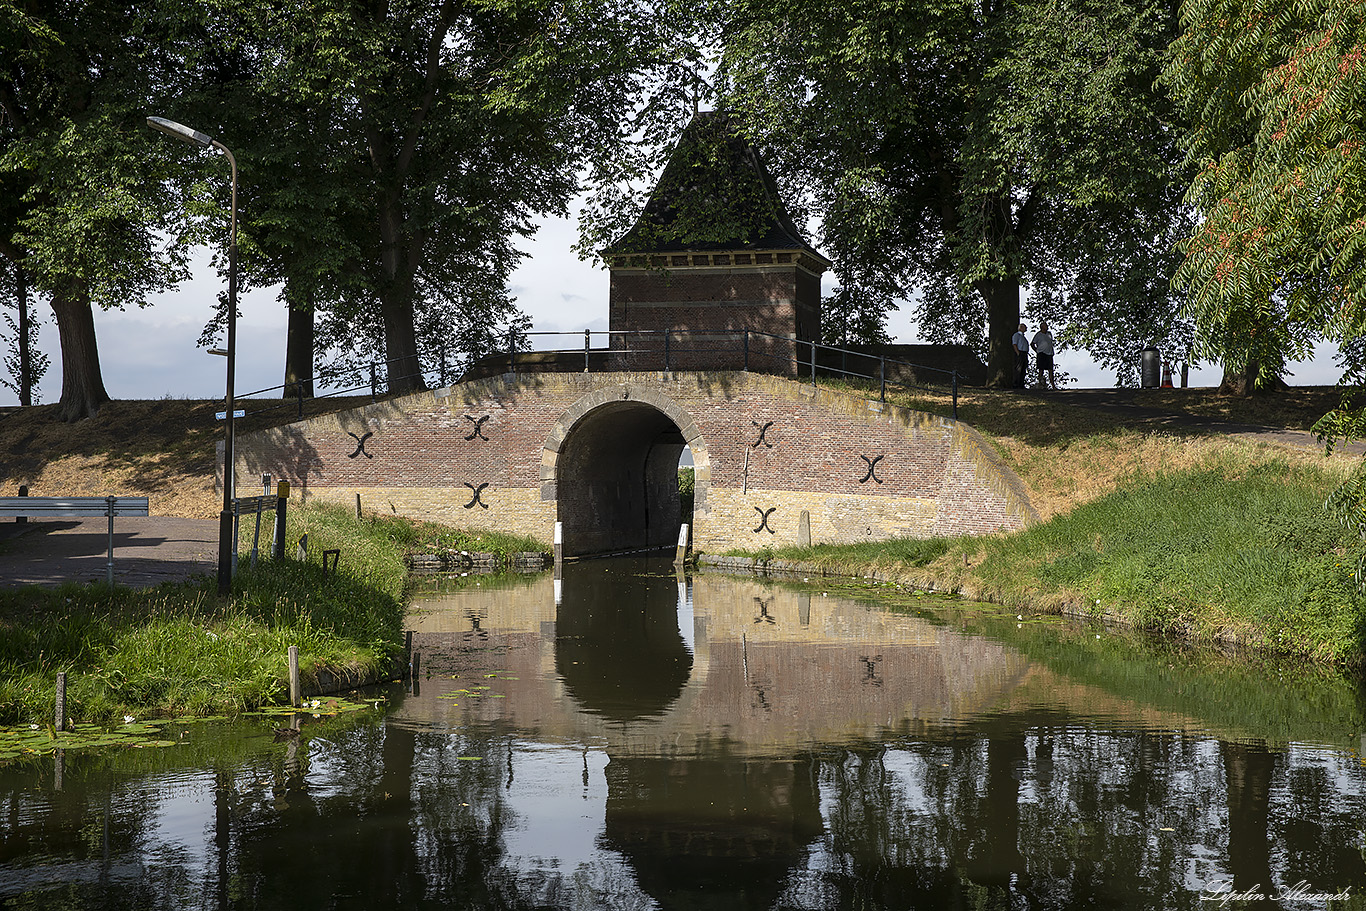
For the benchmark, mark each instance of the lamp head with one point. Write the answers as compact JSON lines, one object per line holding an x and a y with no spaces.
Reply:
{"x":180,"y":131}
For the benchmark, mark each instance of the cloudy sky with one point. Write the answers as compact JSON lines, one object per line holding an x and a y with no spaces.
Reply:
{"x":151,"y":352}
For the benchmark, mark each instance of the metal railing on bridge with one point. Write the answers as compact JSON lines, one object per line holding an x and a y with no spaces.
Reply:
{"x":665,"y":350}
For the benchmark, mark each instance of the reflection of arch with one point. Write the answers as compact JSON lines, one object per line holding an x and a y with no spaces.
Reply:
{"x":611,"y":464}
{"x":618,"y":648}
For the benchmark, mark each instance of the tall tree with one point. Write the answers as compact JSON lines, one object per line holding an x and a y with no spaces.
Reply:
{"x":961,"y":152}
{"x":300,"y":205}
{"x":87,"y":213}
{"x":25,"y":363}
{"x":1277,"y":91}
{"x":416,"y":142}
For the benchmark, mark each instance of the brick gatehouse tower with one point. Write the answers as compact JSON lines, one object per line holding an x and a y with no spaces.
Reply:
{"x":714,"y":253}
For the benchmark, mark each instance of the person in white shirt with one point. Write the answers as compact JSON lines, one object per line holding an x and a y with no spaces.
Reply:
{"x":1021,"y":344}
{"x":1043,"y":348}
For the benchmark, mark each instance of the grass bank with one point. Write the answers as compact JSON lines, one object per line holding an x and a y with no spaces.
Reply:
{"x":1196,"y":537}
{"x":181,"y":650}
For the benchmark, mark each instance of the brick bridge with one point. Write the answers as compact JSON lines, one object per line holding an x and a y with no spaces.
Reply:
{"x":599,"y":453}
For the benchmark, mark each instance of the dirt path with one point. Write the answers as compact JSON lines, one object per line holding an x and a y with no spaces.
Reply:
{"x":147,"y":551}
{"x":1121,"y":402}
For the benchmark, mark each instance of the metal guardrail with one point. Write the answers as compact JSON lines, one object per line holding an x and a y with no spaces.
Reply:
{"x":55,"y":507}
{"x":662,"y":349}
{"x":25,"y":507}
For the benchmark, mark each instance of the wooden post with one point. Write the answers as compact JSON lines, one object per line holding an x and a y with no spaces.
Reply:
{"x":407,"y":653}
{"x":559,"y":548}
{"x":357,"y":507}
{"x":804,"y":529}
{"x":681,"y":554}
{"x":23,"y":492}
{"x":277,"y":550}
{"x":295,"y":697}
{"x":61,"y":701}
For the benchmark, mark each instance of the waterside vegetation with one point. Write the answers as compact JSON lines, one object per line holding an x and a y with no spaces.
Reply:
{"x":179,"y":649}
{"x":1189,"y":534}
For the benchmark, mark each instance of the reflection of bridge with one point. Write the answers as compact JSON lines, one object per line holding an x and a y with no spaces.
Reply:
{"x":599,"y":453}
{"x":751,"y":670}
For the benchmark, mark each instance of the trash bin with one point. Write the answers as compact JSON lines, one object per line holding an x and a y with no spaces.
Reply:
{"x":1150,"y":372}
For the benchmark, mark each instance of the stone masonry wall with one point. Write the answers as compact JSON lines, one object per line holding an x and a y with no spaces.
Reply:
{"x":486,"y":454}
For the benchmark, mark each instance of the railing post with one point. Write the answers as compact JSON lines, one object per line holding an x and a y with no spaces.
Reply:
{"x":277,"y":550}
{"x":955,"y":394}
{"x":813,"y":363}
{"x":299,"y":390}
{"x":512,"y":353}
{"x":746,"y":350}
{"x":374,"y":382}
{"x":109,"y":507}
{"x":443,"y":364}
{"x":666,"y":350}
{"x":587,"y":344}
{"x":882,"y":374}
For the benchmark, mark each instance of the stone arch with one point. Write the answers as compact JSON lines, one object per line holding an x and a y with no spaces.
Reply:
{"x":610,"y":464}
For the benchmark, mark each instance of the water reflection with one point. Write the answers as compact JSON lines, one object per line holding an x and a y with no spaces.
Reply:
{"x":714,"y":743}
{"x":618,"y":648}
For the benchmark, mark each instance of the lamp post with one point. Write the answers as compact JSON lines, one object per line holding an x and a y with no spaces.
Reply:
{"x":226,"y":544}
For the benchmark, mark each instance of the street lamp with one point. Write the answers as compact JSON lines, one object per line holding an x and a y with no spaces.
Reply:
{"x":226,"y":542}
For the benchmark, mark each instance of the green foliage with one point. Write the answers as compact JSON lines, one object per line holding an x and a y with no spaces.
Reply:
{"x":687,"y":490}
{"x":25,"y":364}
{"x":1347,"y":504}
{"x":957,"y":152}
{"x":395,"y":154}
{"x":85,"y":207}
{"x":1278,"y":94}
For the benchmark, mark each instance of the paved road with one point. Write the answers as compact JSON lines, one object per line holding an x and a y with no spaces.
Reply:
{"x":147,"y":551}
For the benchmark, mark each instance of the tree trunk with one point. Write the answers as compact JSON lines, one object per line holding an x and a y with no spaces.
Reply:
{"x":396,"y":303}
{"x":1002,"y":297}
{"x":299,"y":345}
{"x":82,"y":384}
{"x":25,"y":337}
{"x":400,"y":340}
{"x":1249,"y":773}
{"x":1244,"y":382}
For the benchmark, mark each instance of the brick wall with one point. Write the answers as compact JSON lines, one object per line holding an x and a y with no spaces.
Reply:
{"x":776,"y":293}
{"x":487,"y":454}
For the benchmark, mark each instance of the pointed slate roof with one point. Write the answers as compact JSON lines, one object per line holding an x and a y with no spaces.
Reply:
{"x":714,"y":194}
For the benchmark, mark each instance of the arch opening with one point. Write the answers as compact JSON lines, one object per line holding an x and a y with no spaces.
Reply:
{"x":617,"y":480}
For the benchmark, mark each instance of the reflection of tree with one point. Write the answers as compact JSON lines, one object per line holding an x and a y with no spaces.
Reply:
{"x":1248,"y":770}
{"x":1320,"y":833}
{"x":1022,"y":812}
{"x":711,"y":833}
{"x":395,"y":819}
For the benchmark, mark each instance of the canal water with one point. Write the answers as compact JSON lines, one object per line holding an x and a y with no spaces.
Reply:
{"x":627,"y":738}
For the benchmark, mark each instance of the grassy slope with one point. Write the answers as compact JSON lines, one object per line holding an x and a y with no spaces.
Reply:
{"x":1189,"y":533}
